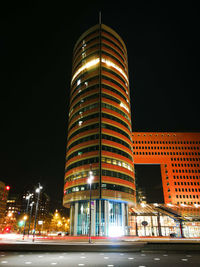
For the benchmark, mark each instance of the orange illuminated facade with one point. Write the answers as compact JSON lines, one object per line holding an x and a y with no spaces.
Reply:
{"x":102,"y":148}
{"x":178,"y":155}
{"x":99,"y":134}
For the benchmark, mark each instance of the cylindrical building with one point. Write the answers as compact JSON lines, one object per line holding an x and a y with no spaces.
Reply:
{"x":99,"y":135}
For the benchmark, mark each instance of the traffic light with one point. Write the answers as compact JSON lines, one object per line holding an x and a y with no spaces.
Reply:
{"x":7,"y":187}
{"x":7,"y":229}
{"x":21,"y":223}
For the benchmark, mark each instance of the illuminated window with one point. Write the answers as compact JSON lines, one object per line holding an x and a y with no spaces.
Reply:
{"x":124,"y":106}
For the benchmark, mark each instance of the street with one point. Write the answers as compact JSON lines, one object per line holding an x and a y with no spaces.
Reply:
{"x":92,"y":259}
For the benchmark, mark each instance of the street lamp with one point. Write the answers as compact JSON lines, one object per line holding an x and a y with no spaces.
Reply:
{"x":90,"y":179}
{"x":28,"y":197}
{"x":10,"y":214}
{"x":36,"y":210}
{"x":29,"y":223}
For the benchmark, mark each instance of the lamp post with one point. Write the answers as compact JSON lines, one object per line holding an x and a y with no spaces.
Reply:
{"x":91,"y":177}
{"x":29,"y":223}
{"x":28,"y":200}
{"x":24,"y":219}
{"x":36,"y":210}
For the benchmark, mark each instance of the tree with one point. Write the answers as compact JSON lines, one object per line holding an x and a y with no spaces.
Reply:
{"x":10,"y":224}
{"x":59,"y":223}
{"x":55,"y":221}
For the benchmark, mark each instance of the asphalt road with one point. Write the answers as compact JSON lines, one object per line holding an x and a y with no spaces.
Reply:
{"x":93,"y":259}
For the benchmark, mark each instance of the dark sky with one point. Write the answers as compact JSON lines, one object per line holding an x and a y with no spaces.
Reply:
{"x":149,"y":179}
{"x":36,"y":43}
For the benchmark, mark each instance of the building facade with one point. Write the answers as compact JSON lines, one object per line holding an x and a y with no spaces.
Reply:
{"x":99,"y":135}
{"x":178,"y":155}
{"x":4,"y":190}
{"x":100,"y":142}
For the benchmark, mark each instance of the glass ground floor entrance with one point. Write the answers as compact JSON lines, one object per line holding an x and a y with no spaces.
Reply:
{"x":164,"y":220}
{"x":108,"y":218}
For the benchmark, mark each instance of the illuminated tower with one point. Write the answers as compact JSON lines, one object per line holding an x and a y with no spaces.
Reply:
{"x":99,"y":135}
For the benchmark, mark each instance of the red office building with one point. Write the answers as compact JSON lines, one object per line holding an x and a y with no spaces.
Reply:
{"x":178,"y":155}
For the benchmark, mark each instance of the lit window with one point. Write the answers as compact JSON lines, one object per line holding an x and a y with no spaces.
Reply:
{"x":94,"y":62}
{"x":124,"y":106}
{"x":85,"y":66}
{"x":108,"y":160}
{"x":110,"y":63}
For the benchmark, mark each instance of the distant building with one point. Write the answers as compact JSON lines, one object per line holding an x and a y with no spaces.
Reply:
{"x":44,"y":207}
{"x":14,"y":205}
{"x":4,"y":190}
{"x":17,"y":204}
{"x":140,"y":195}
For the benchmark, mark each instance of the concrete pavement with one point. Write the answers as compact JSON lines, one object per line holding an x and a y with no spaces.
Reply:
{"x":98,"y":259}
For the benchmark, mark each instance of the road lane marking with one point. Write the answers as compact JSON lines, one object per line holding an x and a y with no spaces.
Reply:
{"x":28,"y":262}
{"x":156,"y":259}
{"x":184,"y":259}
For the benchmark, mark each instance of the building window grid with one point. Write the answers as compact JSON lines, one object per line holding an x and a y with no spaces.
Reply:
{"x":190,"y":153}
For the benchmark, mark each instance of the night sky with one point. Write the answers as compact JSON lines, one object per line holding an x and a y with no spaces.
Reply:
{"x":36,"y":43}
